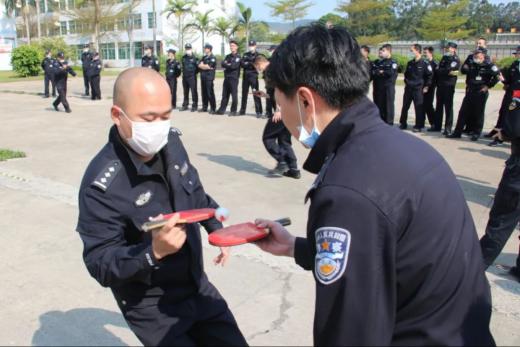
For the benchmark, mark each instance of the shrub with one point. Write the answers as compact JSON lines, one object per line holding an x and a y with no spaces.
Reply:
{"x":26,"y":60}
{"x":401,"y":61}
{"x":55,"y":45}
{"x":505,"y":63}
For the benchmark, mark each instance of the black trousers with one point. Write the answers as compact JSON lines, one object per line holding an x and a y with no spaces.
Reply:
{"x":444,"y":104}
{"x":416,"y":95}
{"x":197,"y":321}
{"x":504,"y":215}
{"x":250,"y":81}
{"x":95,"y":87}
{"x":428,"y":105}
{"x":472,"y":112}
{"x":190,"y":84}
{"x":277,"y":141}
{"x":504,"y":108}
{"x":173,"y":89}
{"x":270,"y":102}
{"x":384,"y":98}
{"x":230,"y":88}
{"x":208,"y":94}
{"x":49,"y":79}
{"x":62,"y":97}
{"x":86,"y":82}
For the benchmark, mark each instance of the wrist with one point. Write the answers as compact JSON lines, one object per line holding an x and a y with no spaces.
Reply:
{"x":290,"y":247}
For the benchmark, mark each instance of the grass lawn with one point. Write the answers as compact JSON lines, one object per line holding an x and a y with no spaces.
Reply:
{"x":6,"y":154}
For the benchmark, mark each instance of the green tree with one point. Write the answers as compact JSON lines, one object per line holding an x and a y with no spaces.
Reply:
{"x":260,"y":31}
{"x":245,"y":19}
{"x":507,"y":16}
{"x":334,"y":19}
{"x":445,"y":20}
{"x":225,"y":28}
{"x":290,"y":10}
{"x":368,"y":20}
{"x":24,"y":7}
{"x":409,"y":14}
{"x":202,"y":23}
{"x":56,"y":44}
{"x":481,"y":16}
{"x":179,"y":9}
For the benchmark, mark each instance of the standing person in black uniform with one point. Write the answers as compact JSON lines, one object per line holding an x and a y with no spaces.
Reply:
{"x":189,"y":78}
{"x":417,"y":80}
{"x":94,"y":76}
{"x":388,"y":271}
{"x":250,"y":80}
{"x":47,"y":67}
{"x":86,"y":57}
{"x":149,"y":60}
{"x":511,"y":81}
{"x":365,"y":51}
{"x":157,"y":278}
{"x":207,"y":66}
{"x":231,"y":65}
{"x":276,"y":137}
{"x":270,"y":102}
{"x":173,"y":71}
{"x":446,"y":73}
{"x":430,"y":94}
{"x":505,"y":213}
{"x":61,"y":71}
{"x":481,"y":76}
{"x":384,"y":75}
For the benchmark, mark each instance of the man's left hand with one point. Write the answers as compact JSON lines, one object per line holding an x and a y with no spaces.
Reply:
{"x":498,"y":136}
{"x":222,"y":258}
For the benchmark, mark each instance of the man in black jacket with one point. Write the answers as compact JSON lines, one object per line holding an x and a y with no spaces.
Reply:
{"x":207,"y":67}
{"x":250,"y":80}
{"x":384,"y":74}
{"x":149,"y":60}
{"x":189,"y":78}
{"x":173,"y":71}
{"x":61,"y":71}
{"x":86,"y":57}
{"x":388,"y":270}
{"x":47,"y":67}
{"x":94,"y":76}
{"x":231,"y":65}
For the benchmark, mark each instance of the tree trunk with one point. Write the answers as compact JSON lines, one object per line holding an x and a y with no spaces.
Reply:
{"x":222,"y":46}
{"x":154,"y":30}
{"x":38,"y":24}
{"x":130,"y":32}
{"x":202,"y":31}
{"x":179,"y":34}
{"x":25,"y":9}
{"x":97,"y":15}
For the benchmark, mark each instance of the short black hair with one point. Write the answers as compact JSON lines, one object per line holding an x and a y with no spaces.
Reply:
{"x":482,"y":38}
{"x":429,"y":49}
{"x":386,"y":46}
{"x":417,"y":47}
{"x":327,"y":60}
{"x":366,"y":48}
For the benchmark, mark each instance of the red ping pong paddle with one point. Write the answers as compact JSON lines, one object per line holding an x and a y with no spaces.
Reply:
{"x":185,"y":217}
{"x":240,"y":234}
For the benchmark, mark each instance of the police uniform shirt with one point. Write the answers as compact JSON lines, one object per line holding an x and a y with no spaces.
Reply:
{"x":512,"y":77}
{"x":480,"y":75}
{"x":47,"y":65}
{"x":86,"y":57}
{"x":189,"y":65}
{"x":94,"y":68}
{"x":61,"y":73}
{"x":384,"y":71}
{"x":118,"y":194}
{"x":231,"y":65}
{"x":173,"y":69}
{"x":150,"y":62}
{"x":388,"y":269}
{"x":445,"y":70}
{"x":419,"y":73}
{"x":212,"y":62}
{"x":248,"y":63}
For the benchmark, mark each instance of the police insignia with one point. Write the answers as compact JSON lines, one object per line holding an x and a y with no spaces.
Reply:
{"x":332,"y":249}
{"x":394,"y":66}
{"x":453,"y":64}
{"x":184,"y":168}
{"x":512,"y":106}
{"x":429,"y":68}
{"x":494,"y":68}
{"x":143,"y":199}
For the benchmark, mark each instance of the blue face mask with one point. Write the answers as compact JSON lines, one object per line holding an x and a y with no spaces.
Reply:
{"x":308,"y":140}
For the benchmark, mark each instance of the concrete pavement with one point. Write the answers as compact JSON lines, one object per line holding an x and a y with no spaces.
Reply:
{"x":48,"y":297}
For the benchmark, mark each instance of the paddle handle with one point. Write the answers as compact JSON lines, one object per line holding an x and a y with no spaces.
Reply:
{"x":159,"y":224}
{"x":284,"y":221}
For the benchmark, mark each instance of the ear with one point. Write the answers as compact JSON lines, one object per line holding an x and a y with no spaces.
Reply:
{"x":306,"y":96}
{"x":115,"y":114}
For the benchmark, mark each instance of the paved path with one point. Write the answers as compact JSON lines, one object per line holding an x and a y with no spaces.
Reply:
{"x":48,"y":297}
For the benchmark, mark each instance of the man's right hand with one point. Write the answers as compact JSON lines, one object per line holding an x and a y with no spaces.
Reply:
{"x":279,"y":242}
{"x":169,"y":239}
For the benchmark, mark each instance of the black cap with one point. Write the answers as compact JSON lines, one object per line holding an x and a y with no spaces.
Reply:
{"x":47,"y":51}
{"x":60,"y":55}
{"x":516,"y":51}
{"x":208,"y":46}
{"x":480,"y":50}
{"x":187,"y":46}
{"x":86,"y":45}
{"x":233,"y":41}
{"x":252,"y":43}
{"x":147,"y":47}
{"x":171,"y":50}
{"x":273,"y":47}
{"x":452,"y":45}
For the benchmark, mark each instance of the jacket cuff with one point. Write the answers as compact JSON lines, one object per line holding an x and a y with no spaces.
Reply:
{"x":148,"y":259}
{"x":302,"y":253}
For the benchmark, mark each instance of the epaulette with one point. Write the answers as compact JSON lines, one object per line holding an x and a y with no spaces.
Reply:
{"x":176,"y":131}
{"x":106,"y":177}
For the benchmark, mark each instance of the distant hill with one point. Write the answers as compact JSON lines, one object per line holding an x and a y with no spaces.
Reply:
{"x":285,"y":28}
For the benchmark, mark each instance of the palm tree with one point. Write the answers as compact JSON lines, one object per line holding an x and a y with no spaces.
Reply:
{"x":245,"y":18}
{"x":11,"y":5}
{"x":179,"y":8}
{"x":201,"y":22}
{"x":225,"y":28}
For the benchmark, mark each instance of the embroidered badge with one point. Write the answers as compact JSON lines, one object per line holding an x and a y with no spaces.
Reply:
{"x":429,"y":68}
{"x":494,"y":68}
{"x":453,"y":63}
{"x":184,"y":169}
{"x":512,"y":106}
{"x":394,"y":66}
{"x":332,"y":249}
{"x":143,"y":199}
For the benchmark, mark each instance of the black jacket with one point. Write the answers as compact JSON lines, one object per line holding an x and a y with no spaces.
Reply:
{"x":94,"y":68}
{"x":248,"y":64}
{"x":86,"y":57}
{"x":479,"y":75}
{"x":47,"y":66}
{"x":512,"y":77}
{"x":447,"y":71}
{"x":173,"y":69}
{"x":61,"y":73}
{"x":396,"y":262}
{"x":212,"y":62}
{"x":384,"y":73}
{"x":231,"y":65}
{"x":418,"y":74}
{"x":190,"y":66}
{"x":118,"y":194}
{"x":151,"y":62}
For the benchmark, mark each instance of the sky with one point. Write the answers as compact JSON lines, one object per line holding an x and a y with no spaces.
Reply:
{"x":320,"y":8}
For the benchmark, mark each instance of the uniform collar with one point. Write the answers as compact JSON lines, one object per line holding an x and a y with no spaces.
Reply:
{"x":355,"y":119}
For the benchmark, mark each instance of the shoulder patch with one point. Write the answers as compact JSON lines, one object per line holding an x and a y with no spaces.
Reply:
{"x":494,"y":68}
{"x":332,"y":250}
{"x":453,"y":63}
{"x":429,"y":67}
{"x":394,"y":66}
{"x":106,"y":177}
{"x":176,"y":131}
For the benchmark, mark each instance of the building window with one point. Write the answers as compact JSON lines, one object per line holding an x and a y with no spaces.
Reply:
{"x":62,"y":4}
{"x":151,"y":20}
{"x":63,"y":28}
{"x":123,"y":50}
{"x":107,"y":26}
{"x":71,"y":4}
{"x":79,"y":51}
{"x":138,"y":50}
{"x":136,"y":18}
{"x":223,"y":3}
{"x":108,"y":50}
{"x":73,"y":27}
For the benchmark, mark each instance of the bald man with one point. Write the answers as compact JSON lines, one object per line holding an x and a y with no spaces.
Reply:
{"x":143,"y":171}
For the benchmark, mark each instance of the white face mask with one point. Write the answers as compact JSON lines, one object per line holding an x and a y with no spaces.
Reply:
{"x":189,"y":52}
{"x":252,"y":49}
{"x":308,"y":140}
{"x":148,"y":138}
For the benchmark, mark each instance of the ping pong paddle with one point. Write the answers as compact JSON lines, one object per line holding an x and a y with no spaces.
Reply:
{"x":185,"y":217}
{"x":240,"y":234}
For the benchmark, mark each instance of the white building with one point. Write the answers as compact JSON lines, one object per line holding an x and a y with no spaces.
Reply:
{"x":7,"y":38}
{"x":114,"y":41}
